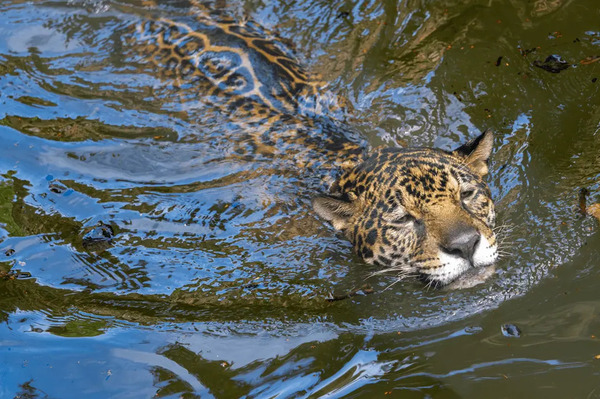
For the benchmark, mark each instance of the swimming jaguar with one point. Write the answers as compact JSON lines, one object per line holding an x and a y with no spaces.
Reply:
{"x":419,"y":212}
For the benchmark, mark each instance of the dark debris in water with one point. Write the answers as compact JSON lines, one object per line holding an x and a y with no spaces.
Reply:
{"x":98,"y":238}
{"x":14,"y":275}
{"x":582,"y":201}
{"x":364,"y":290}
{"x":510,"y":330}
{"x":9,"y":252}
{"x":553,"y":64}
{"x":57,"y":187}
{"x":526,"y":51}
{"x":584,"y":209}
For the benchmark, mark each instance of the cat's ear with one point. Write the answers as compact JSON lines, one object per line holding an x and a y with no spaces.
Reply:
{"x":334,"y":209}
{"x":477,"y":152}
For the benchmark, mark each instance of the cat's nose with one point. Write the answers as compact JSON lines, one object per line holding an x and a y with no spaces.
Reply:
{"x":462,"y":241}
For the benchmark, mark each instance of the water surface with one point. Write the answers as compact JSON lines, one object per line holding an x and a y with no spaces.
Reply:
{"x":216,"y":280}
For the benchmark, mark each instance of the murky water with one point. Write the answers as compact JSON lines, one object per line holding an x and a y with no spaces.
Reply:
{"x":216,"y":278}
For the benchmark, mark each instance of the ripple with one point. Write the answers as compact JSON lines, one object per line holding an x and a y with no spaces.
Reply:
{"x":216,"y":275}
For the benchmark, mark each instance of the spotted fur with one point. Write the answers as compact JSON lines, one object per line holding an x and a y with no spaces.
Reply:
{"x":420,"y":211}
{"x":247,"y":72}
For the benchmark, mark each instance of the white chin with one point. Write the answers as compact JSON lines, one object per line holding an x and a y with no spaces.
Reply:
{"x":452,"y":266}
{"x":485,"y":254}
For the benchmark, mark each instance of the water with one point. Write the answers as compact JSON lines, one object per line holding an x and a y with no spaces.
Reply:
{"x":215,"y":282}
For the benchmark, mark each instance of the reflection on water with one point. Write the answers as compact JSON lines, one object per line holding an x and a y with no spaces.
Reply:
{"x":148,"y":246}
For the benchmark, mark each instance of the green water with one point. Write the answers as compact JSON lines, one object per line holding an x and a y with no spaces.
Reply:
{"x":216,"y":280}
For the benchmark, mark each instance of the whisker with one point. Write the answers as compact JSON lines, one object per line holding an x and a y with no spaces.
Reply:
{"x":384,"y":271}
{"x":504,"y":241}
{"x":503,"y":230}
{"x":399,"y":278}
{"x":394,"y":283}
{"x":429,"y":284}
{"x":505,"y":226}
